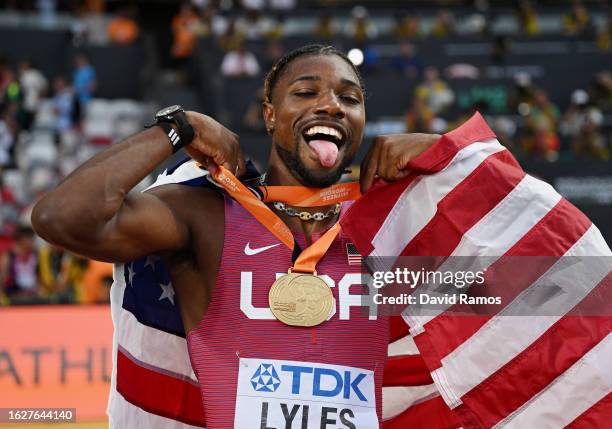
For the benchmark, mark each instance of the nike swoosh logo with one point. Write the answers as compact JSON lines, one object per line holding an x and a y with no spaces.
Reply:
{"x":249,"y":251}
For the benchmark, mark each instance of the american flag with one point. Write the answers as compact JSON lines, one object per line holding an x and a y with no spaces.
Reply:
{"x":482,"y":372}
{"x":352,"y":255}
{"x":468,"y":196}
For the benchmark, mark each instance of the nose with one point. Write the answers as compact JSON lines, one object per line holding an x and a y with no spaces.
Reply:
{"x":330,"y":104}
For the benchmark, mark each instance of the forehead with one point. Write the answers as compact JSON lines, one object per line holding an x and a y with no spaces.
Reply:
{"x":329,"y":68}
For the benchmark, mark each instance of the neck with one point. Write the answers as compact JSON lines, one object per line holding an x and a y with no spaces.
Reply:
{"x":279,"y":175}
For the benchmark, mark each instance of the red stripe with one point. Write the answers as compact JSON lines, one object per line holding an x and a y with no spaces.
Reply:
{"x":544,"y":360}
{"x":363,"y":219}
{"x":159,"y":393}
{"x":430,"y":414}
{"x":554,"y":234}
{"x":598,"y":416}
{"x":407,"y":370}
{"x":487,"y":185}
{"x":441,"y":154}
{"x":397,"y":328}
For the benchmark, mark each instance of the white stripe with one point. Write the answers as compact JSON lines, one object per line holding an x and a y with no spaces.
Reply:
{"x":153,"y":347}
{"x":506,"y":335}
{"x":186,"y":171}
{"x":123,"y":414}
{"x":397,"y":399}
{"x":175,"y":139}
{"x":403,"y":346}
{"x":172,"y":133}
{"x":493,"y":235}
{"x":572,"y":393}
{"x":407,"y":218}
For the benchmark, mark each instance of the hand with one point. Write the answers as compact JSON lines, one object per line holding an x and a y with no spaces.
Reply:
{"x":389,"y":155}
{"x":214,"y":145}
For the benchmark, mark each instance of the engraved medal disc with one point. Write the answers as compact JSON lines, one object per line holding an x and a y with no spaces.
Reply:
{"x":299,"y":299}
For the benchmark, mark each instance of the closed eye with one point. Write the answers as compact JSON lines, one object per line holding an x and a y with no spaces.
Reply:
{"x":305,"y":93}
{"x":350,"y":99}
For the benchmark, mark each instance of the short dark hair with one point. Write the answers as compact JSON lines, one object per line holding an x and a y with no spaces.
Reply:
{"x":277,"y":70}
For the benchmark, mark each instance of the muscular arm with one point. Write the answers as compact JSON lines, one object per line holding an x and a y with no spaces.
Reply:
{"x":91,"y":213}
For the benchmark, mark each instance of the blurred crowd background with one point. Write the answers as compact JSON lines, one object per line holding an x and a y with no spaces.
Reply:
{"x":76,"y":76}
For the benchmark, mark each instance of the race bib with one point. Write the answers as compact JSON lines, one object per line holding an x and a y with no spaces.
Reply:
{"x":282,"y":394}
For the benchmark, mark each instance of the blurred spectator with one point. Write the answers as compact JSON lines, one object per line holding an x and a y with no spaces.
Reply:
{"x":185,"y":27}
{"x":582,"y":122}
{"x":407,"y":27}
{"x":8,"y":130}
{"x":9,"y":213}
{"x":19,"y":268}
{"x":521,"y":96}
{"x":577,"y":21}
{"x":95,"y":284}
{"x":63,"y":105}
{"x":604,"y":35}
{"x":600,"y":91}
{"x":123,"y":28}
{"x":527,"y":17}
{"x":34,"y":86}
{"x":541,"y":139}
{"x":60,"y":273}
{"x":444,"y":24}
{"x":361,"y":27}
{"x":254,"y":25}
{"x":239,"y":63}
{"x":408,"y":63}
{"x":231,"y":39}
{"x":326,"y":28}
{"x":84,"y":81}
{"x":434,"y":91}
{"x":589,"y":142}
{"x":420,"y":117}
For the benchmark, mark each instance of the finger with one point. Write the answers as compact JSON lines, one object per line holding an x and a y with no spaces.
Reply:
{"x":370,"y":168}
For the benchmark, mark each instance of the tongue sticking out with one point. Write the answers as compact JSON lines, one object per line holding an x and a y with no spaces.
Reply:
{"x":327,"y":151}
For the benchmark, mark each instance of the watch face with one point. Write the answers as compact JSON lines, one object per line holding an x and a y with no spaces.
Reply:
{"x":168,"y":111}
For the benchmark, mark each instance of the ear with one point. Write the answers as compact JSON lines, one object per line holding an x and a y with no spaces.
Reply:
{"x":268,"y":116}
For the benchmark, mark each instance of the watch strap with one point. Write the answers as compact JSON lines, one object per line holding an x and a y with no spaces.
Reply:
{"x":184,"y":128}
{"x":172,"y":134}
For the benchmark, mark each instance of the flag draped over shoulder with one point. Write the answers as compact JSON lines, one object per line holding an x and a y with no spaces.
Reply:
{"x":468,"y":196}
{"x":153,"y":384}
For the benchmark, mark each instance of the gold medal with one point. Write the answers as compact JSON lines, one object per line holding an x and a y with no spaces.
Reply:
{"x":299,"y":299}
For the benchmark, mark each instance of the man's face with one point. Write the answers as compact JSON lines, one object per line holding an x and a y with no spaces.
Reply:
{"x":318,"y":115}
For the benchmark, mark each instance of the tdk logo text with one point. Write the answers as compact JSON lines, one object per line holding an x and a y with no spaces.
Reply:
{"x":326,"y":382}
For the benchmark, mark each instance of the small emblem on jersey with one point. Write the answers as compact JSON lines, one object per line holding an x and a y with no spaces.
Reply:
{"x":353,"y":256}
{"x":265,"y":378}
{"x":250,"y":251}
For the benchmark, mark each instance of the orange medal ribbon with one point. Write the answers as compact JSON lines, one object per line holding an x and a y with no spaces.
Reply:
{"x":294,"y":195}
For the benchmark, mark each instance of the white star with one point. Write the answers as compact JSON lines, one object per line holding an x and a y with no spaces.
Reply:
{"x":131,"y":274}
{"x":151,"y":260}
{"x":167,"y":292}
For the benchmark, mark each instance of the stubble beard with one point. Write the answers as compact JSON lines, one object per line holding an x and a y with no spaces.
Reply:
{"x":321,"y":179}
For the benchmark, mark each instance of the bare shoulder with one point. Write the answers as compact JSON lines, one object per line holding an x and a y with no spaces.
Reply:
{"x":193,"y":205}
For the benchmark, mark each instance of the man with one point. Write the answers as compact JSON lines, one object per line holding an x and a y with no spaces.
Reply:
{"x":314,"y":112}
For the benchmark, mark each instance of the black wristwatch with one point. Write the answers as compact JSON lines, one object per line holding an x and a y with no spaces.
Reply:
{"x":183,"y":135}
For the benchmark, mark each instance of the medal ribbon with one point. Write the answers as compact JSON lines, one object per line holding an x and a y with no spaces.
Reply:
{"x":295,"y":195}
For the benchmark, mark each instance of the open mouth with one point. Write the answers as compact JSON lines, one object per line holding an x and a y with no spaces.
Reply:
{"x":325,"y":141}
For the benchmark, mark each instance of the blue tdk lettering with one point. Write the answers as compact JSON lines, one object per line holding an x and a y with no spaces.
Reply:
{"x":343,"y":385}
{"x":354,"y":385}
{"x":297,"y":372}
{"x":316,"y":386}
